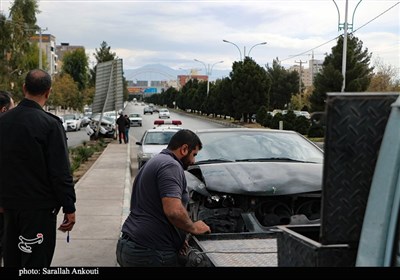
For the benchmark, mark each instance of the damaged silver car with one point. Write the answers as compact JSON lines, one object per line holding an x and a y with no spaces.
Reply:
{"x":248,"y":180}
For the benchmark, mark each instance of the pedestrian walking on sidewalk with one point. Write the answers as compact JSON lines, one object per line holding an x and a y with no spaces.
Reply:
{"x":154,"y":233}
{"x":122,"y":123}
{"x":128,"y":126}
{"x":6,"y":103}
{"x":35,"y":177}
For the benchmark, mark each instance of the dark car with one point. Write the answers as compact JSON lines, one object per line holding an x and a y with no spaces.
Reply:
{"x":253,"y":179}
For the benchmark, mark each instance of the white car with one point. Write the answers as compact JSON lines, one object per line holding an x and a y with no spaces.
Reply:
{"x":73,"y":121}
{"x":63,"y":123}
{"x":154,"y":141}
{"x":107,"y":128}
{"x":163,"y":113}
{"x":305,"y":114}
{"x":135,"y":119}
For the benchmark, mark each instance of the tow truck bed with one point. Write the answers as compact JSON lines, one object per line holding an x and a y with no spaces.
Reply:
{"x":241,"y":249}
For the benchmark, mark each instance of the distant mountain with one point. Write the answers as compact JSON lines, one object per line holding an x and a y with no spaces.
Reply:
{"x":159,"y":72}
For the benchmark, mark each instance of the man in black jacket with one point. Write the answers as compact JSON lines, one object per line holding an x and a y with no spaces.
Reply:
{"x":6,"y":103}
{"x":35,"y":177}
{"x":122,"y":123}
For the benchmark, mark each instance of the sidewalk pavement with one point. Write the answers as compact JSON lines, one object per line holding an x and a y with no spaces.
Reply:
{"x":102,"y":205}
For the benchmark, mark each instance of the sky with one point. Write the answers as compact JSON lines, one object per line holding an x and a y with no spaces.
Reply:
{"x":175,"y":33}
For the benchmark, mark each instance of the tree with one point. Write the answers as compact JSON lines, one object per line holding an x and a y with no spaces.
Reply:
{"x":358,"y":72}
{"x":75,"y":63}
{"x":284,"y":85}
{"x":5,"y":38}
{"x":104,"y":53}
{"x":101,"y":55}
{"x":15,"y":44}
{"x":384,"y":80}
{"x":28,"y":9}
{"x":249,"y":88}
{"x":65,"y":92}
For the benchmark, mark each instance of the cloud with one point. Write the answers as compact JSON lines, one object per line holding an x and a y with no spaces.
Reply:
{"x":174,"y":33}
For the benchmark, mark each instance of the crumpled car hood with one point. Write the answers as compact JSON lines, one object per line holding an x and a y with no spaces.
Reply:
{"x":257,"y":178}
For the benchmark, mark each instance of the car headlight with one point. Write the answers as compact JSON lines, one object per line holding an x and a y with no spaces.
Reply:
{"x":216,"y":200}
{"x":146,"y":156}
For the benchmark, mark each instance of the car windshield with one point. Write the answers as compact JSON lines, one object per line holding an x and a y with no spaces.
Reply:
{"x":134,"y":115}
{"x":256,"y":146}
{"x":69,"y":117}
{"x":158,"y":137}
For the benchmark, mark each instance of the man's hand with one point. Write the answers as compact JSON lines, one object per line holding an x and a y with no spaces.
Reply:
{"x":201,"y":227}
{"x":68,"y":222}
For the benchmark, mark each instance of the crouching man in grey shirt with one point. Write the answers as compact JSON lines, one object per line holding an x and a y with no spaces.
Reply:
{"x":155,"y":231}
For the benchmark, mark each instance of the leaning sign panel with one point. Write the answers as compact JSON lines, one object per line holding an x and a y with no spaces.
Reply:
{"x":109,"y":87}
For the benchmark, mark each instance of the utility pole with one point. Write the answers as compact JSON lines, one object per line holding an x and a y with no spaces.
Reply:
{"x":300,"y":73}
{"x":312,"y":68}
{"x":40,"y":47}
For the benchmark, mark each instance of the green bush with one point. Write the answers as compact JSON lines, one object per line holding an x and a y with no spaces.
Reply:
{"x":316,"y":131}
{"x":80,"y":154}
{"x":302,"y":125}
{"x":290,"y":122}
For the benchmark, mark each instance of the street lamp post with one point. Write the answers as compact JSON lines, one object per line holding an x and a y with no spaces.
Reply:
{"x":345,"y":26}
{"x":262,"y":43}
{"x":208,"y":69}
{"x":226,"y":41}
{"x":244,"y":48}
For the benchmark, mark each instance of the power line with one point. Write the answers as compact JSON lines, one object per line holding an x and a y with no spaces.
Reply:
{"x":307,"y":51}
{"x":300,"y":54}
{"x":376,"y":17}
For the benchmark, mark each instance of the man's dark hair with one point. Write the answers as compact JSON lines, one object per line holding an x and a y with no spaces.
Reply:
{"x":37,"y":82}
{"x":185,"y":136}
{"x":5,"y":99}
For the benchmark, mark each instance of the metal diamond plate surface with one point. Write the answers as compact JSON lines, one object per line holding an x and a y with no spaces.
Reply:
{"x":242,"y":252}
{"x":355,"y":126}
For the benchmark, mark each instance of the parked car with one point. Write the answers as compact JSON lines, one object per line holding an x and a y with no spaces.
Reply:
{"x":107,"y":127}
{"x":63,"y":123}
{"x":305,"y":114}
{"x":246,"y":179}
{"x":154,"y":141}
{"x":135,"y":119}
{"x":147,"y":110}
{"x":73,"y":121}
{"x":163,"y":113}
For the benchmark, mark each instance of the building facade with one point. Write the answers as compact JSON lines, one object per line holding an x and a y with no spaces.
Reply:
{"x":307,"y":75}
{"x":47,"y":45}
